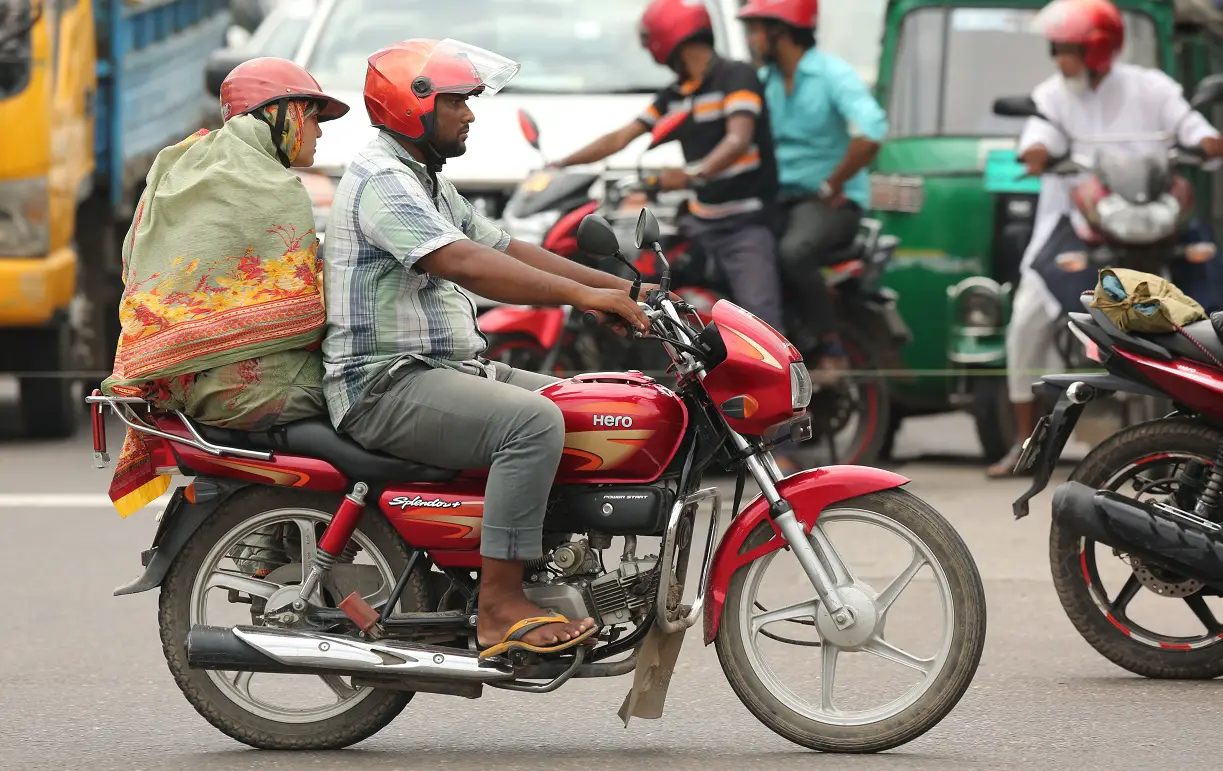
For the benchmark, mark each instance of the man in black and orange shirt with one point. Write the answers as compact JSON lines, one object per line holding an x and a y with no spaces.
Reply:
{"x":727,"y":137}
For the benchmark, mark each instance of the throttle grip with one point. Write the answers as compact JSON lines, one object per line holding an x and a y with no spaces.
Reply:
{"x":593,"y":318}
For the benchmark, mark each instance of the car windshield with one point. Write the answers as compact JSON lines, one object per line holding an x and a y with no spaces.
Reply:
{"x":982,"y":53}
{"x":564,"y":46}
{"x":16,"y":20}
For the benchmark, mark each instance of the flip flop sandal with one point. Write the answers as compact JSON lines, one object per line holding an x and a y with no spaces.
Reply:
{"x":513,"y":638}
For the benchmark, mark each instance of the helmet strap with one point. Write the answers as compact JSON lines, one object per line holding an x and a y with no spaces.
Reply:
{"x":278,"y":132}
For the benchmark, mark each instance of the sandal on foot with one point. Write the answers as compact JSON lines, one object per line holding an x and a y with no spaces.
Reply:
{"x":513,"y":638}
{"x":1005,"y":467}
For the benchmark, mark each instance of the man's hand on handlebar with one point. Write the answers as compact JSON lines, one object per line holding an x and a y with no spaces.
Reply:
{"x":613,"y":302}
{"x":1036,"y":158}
{"x":1213,"y":147}
{"x":675,"y":179}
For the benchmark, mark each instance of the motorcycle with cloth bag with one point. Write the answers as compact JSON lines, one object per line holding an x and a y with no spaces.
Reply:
{"x":635,"y":456}
{"x":850,"y":418}
{"x":1167,"y":536}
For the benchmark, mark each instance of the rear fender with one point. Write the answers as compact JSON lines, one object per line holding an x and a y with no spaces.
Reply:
{"x":542,"y":324}
{"x":808,"y":493}
{"x":178,"y":523}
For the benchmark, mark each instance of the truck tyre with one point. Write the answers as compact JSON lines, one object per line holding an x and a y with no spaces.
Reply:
{"x":49,"y":405}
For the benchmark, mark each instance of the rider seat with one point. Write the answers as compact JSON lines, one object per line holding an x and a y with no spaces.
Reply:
{"x":315,"y":438}
{"x":1207,"y":332}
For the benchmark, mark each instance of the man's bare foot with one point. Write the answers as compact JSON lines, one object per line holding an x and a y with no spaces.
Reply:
{"x":494,"y":621}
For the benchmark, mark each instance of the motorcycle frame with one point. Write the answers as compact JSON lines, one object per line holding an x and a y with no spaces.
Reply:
{"x":790,"y":505}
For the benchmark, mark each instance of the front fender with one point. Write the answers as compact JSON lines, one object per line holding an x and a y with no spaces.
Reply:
{"x":808,"y":493}
{"x":543,"y":324}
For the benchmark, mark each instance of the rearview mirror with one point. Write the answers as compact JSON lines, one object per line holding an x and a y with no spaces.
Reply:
{"x":595,"y":236}
{"x":1210,"y":89}
{"x":1016,"y":107}
{"x":220,"y":64}
{"x":647,"y":229}
{"x":666,"y":127}
{"x":530,"y":131}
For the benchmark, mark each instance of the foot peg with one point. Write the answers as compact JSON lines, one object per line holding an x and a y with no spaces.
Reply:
{"x":362,"y":614}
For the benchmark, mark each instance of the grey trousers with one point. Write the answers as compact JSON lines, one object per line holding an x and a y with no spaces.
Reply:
{"x":812,"y":231}
{"x":746,"y":253}
{"x":452,"y":419}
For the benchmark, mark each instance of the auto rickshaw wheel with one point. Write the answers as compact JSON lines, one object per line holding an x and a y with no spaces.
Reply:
{"x":994,"y":417}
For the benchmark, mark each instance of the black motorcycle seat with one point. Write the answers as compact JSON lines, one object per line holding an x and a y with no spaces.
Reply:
{"x":1201,"y":331}
{"x":315,"y":438}
{"x":854,"y":250}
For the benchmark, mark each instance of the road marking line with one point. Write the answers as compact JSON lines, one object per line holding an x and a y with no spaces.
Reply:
{"x":65,"y":501}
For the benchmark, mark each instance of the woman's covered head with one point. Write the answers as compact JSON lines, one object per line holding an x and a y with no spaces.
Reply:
{"x":301,"y":129}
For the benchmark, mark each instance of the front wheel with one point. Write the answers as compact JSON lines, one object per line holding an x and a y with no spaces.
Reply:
{"x":824,"y":721}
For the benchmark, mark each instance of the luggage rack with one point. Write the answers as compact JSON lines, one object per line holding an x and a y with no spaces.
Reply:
{"x":124,"y":407}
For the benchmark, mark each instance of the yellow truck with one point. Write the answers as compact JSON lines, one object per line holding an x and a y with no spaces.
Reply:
{"x":90,"y":91}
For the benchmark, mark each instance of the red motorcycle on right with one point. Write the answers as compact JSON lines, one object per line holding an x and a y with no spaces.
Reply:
{"x":1161,"y":542}
{"x":851,"y":420}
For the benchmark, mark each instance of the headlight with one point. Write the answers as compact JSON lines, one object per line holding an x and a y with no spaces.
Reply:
{"x":25,"y":218}
{"x":978,"y":305}
{"x":1138,"y":223}
{"x":531,"y":228}
{"x":800,"y":385}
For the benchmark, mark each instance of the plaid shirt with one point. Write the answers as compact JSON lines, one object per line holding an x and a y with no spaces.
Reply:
{"x":381,"y":308}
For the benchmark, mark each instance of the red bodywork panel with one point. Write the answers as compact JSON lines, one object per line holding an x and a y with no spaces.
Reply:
{"x":444,"y":518}
{"x":620,"y":428}
{"x":543,"y":324}
{"x":757,"y":365}
{"x":1197,"y":386}
{"x":562,"y":239}
{"x":808,"y":493}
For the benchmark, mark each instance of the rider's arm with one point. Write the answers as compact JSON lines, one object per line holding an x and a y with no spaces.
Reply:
{"x":398,"y":216}
{"x":865,"y":119}
{"x":1039,"y":140}
{"x":548,"y":262}
{"x":615,"y":141}
{"x":741,"y":106}
{"x":1168,"y":97}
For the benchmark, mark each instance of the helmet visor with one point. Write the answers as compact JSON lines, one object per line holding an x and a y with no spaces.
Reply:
{"x":455,"y":67}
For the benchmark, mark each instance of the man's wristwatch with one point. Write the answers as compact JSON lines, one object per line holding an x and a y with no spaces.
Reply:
{"x":826,"y":191}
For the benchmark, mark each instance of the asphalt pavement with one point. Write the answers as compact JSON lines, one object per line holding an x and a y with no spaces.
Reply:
{"x":83,"y":684}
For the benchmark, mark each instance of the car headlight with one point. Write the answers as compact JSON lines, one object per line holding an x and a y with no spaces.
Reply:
{"x":800,"y":385}
{"x":531,"y":228}
{"x":1138,"y":223}
{"x":25,"y":217}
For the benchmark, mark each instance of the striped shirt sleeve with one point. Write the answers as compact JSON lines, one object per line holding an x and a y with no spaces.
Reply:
{"x":398,"y":216}
{"x":744,"y":93}
{"x":659,"y":108}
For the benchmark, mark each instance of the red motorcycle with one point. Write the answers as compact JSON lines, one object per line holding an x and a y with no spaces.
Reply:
{"x":276,"y":521}
{"x":850,"y":419}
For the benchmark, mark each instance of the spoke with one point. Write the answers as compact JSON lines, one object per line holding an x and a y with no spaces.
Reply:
{"x":1197,"y":603}
{"x":230,"y":579}
{"x":242,"y":682}
{"x":805,"y":609}
{"x":343,"y":691}
{"x":828,"y":676}
{"x":1126,"y":595}
{"x":886,"y":650}
{"x":889,"y":595}
{"x":306,"y":528}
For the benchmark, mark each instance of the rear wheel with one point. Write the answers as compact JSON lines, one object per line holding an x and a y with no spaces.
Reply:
{"x":1147,"y":459}
{"x":851,"y":419}
{"x":50,"y":406}
{"x":253,"y":547}
{"x":819,"y":722}
{"x":993,"y":416}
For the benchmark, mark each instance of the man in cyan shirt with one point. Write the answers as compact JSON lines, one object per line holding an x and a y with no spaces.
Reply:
{"x":826,"y":129}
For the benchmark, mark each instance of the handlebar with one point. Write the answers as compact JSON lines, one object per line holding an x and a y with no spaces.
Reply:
{"x":593,"y":318}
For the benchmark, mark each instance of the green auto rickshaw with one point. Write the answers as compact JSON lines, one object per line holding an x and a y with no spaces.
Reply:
{"x":945,"y":182}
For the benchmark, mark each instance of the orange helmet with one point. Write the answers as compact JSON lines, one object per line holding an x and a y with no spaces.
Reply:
{"x":267,"y":79}
{"x":668,"y":24}
{"x":1094,"y":24}
{"x":403,"y":80}
{"x":795,"y":13}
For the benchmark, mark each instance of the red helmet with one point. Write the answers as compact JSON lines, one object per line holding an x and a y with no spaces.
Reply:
{"x":1094,"y":24}
{"x":668,"y":24}
{"x":796,"y":13}
{"x":260,"y":82}
{"x":403,"y":80}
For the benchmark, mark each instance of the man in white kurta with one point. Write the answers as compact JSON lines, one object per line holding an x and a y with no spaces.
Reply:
{"x":1125,"y":100}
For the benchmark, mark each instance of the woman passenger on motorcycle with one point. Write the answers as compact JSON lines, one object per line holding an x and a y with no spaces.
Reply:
{"x":222,"y":313}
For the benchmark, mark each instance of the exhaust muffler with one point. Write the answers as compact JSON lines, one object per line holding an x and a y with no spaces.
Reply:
{"x":1157,"y":533}
{"x":427,"y":668}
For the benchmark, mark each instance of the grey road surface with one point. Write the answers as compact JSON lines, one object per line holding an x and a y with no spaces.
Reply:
{"x":83,"y":684}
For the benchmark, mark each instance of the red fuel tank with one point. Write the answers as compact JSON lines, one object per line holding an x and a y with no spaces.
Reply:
{"x":619,"y":427}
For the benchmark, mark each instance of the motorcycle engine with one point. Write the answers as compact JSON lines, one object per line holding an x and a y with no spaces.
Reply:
{"x":573,"y":582}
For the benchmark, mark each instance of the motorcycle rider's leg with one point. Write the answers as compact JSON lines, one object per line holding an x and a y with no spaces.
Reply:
{"x":746,"y":252}
{"x":814,"y":230}
{"x":443,"y":417}
{"x":1030,"y":346}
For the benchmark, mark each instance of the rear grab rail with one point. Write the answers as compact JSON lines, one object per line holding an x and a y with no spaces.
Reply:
{"x":123,"y":407}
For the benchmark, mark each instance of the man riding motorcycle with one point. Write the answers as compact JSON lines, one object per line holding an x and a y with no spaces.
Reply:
{"x":404,"y":371}
{"x":1092,"y":93}
{"x":728,"y":138}
{"x":827,"y":128}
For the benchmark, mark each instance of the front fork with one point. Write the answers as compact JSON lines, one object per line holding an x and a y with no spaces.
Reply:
{"x":816,"y":554}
